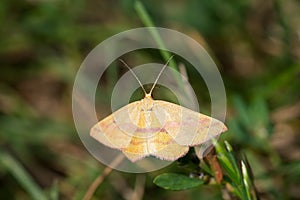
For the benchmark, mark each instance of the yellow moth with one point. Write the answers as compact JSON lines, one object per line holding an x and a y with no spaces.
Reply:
{"x":155,"y":128}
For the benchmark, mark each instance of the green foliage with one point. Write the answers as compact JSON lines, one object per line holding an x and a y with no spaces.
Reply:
{"x":173,"y":181}
{"x":252,"y":125}
{"x":254,"y":45}
{"x":237,"y":177}
{"x":25,"y":180}
{"x":236,"y":173}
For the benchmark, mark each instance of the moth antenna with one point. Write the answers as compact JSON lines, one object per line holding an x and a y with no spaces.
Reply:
{"x":134,"y":75}
{"x":161,"y":71}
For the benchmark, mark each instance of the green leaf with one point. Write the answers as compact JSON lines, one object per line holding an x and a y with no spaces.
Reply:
{"x":246,"y":180}
{"x":172,"y":181}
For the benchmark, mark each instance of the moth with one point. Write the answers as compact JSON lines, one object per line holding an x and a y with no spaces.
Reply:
{"x":156,"y":128}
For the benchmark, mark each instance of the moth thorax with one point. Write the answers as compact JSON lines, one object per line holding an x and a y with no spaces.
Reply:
{"x":147,"y":103}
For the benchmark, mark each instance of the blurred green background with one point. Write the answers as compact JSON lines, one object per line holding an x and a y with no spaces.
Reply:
{"x":256,"y":45}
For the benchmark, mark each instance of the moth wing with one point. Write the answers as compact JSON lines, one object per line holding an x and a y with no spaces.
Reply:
{"x":203,"y":149}
{"x":153,"y":140}
{"x":116,"y":130}
{"x":186,"y":126}
{"x":136,"y":149}
{"x":163,"y":146}
{"x":133,"y":157}
{"x":160,"y":145}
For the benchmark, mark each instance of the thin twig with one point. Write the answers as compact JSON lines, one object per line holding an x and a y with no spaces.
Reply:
{"x":139,"y":187}
{"x":90,"y":192}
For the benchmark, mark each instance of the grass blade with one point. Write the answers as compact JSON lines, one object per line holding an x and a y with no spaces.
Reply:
{"x":20,"y":174}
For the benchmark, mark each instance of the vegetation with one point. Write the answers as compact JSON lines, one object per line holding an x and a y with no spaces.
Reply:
{"x":255,"y":45}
